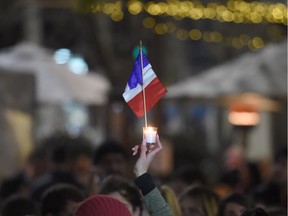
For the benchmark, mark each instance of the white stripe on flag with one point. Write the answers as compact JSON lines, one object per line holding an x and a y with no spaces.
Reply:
{"x":149,"y":75}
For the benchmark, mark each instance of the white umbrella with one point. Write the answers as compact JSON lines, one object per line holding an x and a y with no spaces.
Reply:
{"x":55,"y":83}
{"x":263,"y":72}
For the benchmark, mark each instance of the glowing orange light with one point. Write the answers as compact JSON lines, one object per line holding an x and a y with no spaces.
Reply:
{"x":243,"y":115}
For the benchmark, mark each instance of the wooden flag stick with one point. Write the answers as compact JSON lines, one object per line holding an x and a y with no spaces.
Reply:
{"x":143,"y":88}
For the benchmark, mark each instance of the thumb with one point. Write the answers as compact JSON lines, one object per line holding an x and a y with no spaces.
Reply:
{"x":143,"y":149}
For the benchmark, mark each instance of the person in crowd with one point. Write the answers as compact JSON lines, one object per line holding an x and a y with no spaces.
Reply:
{"x":171,"y":198}
{"x":37,"y":163}
{"x":233,"y":205}
{"x":255,"y":212}
{"x":152,"y":198}
{"x":199,"y":201}
{"x":19,"y":206}
{"x":60,"y":199}
{"x":273,"y":193}
{"x":14,"y":185}
{"x":64,"y":154}
{"x":111,"y":158}
{"x":185,"y":176}
{"x":250,"y":177}
{"x":123,"y":190}
{"x":239,"y":175}
{"x":81,"y":154}
{"x":20,"y":183}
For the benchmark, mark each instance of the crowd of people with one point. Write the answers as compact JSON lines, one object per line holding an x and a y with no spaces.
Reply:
{"x":67,"y":176}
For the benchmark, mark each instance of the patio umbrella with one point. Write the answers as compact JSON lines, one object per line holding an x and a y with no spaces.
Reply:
{"x":263,"y":72}
{"x":55,"y":83}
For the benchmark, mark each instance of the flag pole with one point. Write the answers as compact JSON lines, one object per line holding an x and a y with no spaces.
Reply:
{"x":143,"y":88}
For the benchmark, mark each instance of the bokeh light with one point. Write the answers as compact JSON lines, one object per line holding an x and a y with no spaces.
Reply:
{"x":62,"y":56}
{"x":77,"y":65}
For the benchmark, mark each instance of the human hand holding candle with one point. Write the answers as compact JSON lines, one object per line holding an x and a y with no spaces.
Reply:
{"x":150,"y":137}
{"x":146,"y":156}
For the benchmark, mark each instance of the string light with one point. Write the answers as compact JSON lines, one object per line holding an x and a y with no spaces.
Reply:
{"x":236,"y":11}
{"x":135,"y":7}
{"x":114,"y":10}
{"x":211,"y":37}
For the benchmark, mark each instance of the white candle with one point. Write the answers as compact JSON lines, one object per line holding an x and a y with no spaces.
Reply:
{"x":150,"y":134}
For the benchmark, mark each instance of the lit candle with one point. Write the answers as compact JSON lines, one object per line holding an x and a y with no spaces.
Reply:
{"x":150,"y":134}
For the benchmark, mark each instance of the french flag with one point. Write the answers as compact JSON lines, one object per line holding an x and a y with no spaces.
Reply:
{"x":154,"y":89}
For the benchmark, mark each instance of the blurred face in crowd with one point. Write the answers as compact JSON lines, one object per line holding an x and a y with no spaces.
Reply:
{"x":234,"y":209}
{"x":113,"y":163}
{"x":199,"y":201}
{"x":189,"y":207}
{"x":82,"y":166}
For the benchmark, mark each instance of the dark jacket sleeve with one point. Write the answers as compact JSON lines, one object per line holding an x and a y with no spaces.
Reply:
{"x":152,"y":197}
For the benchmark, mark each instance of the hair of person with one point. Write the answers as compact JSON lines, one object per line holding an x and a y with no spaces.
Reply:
{"x":18,"y":206}
{"x":39,"y":152}
{"x":107,"y":147}
{"x":55,"y":198}
{"x":255,"y":212}
{"x":103,"y":205}
{"x":237,"y":198}
{"x":206,"y":200}
{"x":171,"y":199}
{"x":189,"y":175}
{"x":128,"y":190}
{"x":63,"y":147}
{"x":11,"y":186}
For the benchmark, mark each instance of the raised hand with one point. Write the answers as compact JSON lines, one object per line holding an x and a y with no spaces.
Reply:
{"x":146,"y":156}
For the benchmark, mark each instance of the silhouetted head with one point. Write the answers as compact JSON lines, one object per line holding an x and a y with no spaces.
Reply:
{"x":123,"y":190}
{"x":198,"y":201}
{"x":233,"y":205}
{"x":60,"y":199}
{"x":112,"y":158}
{"x":185,"y":176}
{"x":63,"y":149}
{"x":255,"y":212}
{"x":18,"y":206}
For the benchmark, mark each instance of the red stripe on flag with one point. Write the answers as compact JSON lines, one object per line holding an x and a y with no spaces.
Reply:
{"x":153,"y":92}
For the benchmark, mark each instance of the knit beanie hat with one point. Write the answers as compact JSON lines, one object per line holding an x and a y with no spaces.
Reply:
{"x":102,"y":205}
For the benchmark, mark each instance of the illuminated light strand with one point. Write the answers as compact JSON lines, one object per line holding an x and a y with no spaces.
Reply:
{"x":239,"y":42}
{"x":114,"y":10}
{"x":233,"y":12}
{"x":236,"y":11}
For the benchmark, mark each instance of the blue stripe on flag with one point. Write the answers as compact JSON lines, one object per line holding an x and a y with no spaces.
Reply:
{"x":136,"y":74}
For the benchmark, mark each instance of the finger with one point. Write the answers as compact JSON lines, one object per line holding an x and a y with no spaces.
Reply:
{"x":135,"y":150}
{"x":153,"y":152}
{"x":143,"y":149}
{"x":158,"y":146}
{"x":158,"y":143}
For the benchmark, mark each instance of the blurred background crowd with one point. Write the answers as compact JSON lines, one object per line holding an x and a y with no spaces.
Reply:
{"x":223,"y":123}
